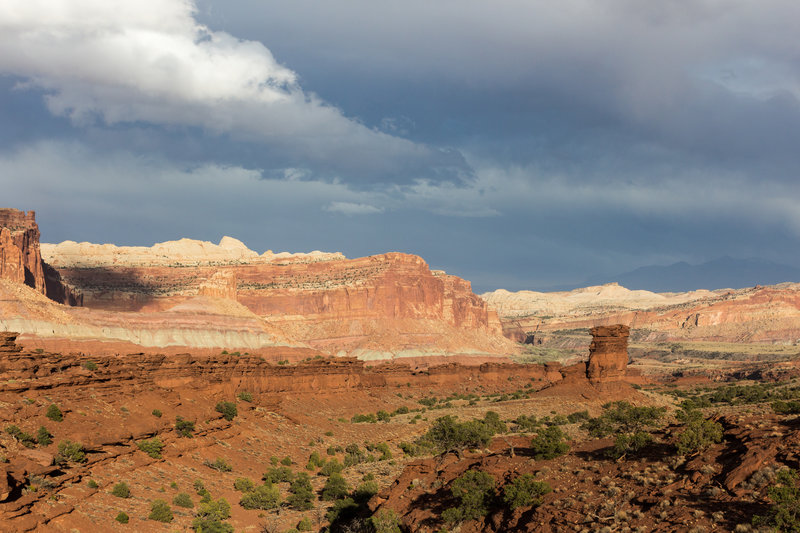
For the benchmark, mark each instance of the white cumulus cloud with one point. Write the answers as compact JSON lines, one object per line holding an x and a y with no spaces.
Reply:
{"x":117,"y":61}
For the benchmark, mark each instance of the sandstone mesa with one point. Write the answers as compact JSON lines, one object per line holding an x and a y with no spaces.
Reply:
{"x":201,"y":295}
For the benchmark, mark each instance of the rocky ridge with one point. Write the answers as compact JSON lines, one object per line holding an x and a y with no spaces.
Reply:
{"x":201,"y":295}
{"x":21,"y":259}
{"x":107,"y":403}
{"x":377,"y":307}
{"x":183,"y":252}
{"x":757,"y":314}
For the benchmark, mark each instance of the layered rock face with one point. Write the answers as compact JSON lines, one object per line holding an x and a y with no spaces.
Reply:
{"x":756,"y":314}
{"x":373,"y":307}
{"x":20,"y":259}
{"x":608,"y":353}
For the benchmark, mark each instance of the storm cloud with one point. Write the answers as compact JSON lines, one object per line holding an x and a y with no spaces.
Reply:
{"x":518,"y":144}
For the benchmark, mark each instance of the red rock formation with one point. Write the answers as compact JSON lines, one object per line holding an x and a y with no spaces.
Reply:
{"x":220,"y":285}
{"x":390,"y":302}
{"x":608,"y":353}
{"x":20,"y":259}
{"x":753,"y":315}
{"x":29,"y":370}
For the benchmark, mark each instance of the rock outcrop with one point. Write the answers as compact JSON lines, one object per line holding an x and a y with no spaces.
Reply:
{"x":373,"y":307}
{"x":29,"y":370}
{"x":751,"y":315}
{"x":608,"y":354}
{"x":20,"y":258}
{"x":202,"y":295}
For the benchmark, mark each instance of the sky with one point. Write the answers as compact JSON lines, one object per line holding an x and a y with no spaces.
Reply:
{"x":519,"y":144}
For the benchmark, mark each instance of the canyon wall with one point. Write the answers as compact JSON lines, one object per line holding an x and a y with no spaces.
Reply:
{"x":756,"y":314}
{"x":202,"y":295}
{"x":374,"y":307}
{"x":28,"y":370}
{"x":20,"y":258}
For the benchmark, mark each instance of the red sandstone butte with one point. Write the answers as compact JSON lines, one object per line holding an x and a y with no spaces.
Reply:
{"x":389,"y":302}
{"x":608,"y":353}
{"x":20,"y":258}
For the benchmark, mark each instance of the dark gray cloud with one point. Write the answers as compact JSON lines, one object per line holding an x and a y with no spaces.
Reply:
{"x":519,"y":144}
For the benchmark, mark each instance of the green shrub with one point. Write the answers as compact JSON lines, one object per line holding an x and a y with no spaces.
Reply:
{"x":368,"y":418}
{"x":160,"y":511}
{"x":301,"y":493}
{"x":219,"y":464}
{"x":183,"y":500}
{"x":245,"y":396}
{"x":70,"y":451}
{"x":790,"y":407}
{"x":628,"y":423}
{"x":151,"y":447}
{"x":409,"y":449}
{"x":157,"y":413}
{"x":121,"y":490}
{"x":427,"y":402}
{"x":286,"y":461}
{"x":382,"y":447}
{"x":210,"y":515}
{"x":90,"y":365}
{"x":266,"y":496}
{"x":527,"y":423}
{"x":331,"y":467}
{"x":447,"y":434}
{"x":493,"y":422}
{"x":383,"y":416}
{"x":525,"y":491}
{"x":219,"y":509}
{"x":316,"y":459}
{"x":698,"y":434}
{"x":243,"y":484}
{"x":304,"y":524}
{"x":354,"y":455}
{"x":43,"y":436}
{"x":54,"y":413}
{"x":549,"y":443}
{"x":122,"y":517}
{"x":335,"y":488}
{"x":578,"y":416}
{"x":227,"y":409}
{"x":92,"y":484}
{"x":626,"y":443}
{"x":26,"y":439}
{"x":623,"y":417}
{"x":342,"y":510}
{"x":365,"y":491}
{"x":385,"y":521}
{"x":474,"y":490}
{"x":278,"y":475}
{"x":185,"y":428}
{"x":784,"y":514}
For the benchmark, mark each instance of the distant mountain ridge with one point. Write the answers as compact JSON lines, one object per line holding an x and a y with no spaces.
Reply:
{"x":722,"y":273}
